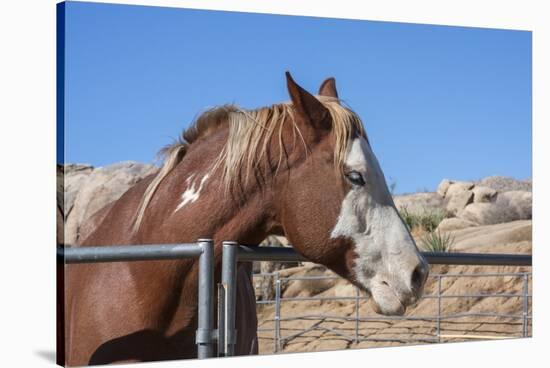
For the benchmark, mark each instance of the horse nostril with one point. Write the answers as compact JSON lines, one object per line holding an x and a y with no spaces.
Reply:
{"x":418,"y":277}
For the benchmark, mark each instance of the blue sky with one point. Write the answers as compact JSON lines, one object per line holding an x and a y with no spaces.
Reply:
{"x":437,"y":102}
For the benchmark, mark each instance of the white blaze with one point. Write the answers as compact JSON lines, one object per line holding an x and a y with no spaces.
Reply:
{"x":368,"y":216}
{"x":192,"y":193}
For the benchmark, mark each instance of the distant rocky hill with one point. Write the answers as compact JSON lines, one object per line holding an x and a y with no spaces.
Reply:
{"x":505,"y":184}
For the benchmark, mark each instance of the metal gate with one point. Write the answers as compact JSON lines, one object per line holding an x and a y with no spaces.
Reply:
{"x":203,"y":249}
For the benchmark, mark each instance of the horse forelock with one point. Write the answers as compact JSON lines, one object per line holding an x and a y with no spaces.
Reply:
{"x":250,"y":134}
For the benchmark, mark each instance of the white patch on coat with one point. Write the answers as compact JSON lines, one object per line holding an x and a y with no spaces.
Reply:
{"x":192,"y":193}
{"x":386,"y":251}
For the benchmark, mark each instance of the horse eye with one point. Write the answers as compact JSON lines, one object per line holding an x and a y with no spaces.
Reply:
{"x":355,"y":178}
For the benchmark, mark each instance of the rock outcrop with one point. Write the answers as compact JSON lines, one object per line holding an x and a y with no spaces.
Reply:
{"x":458,"y":200}
{"x":88,"y":189}
{"x":483,"y":194}
{"x":489,"y":201}
{"x":454,"y":223}
{"x":508,"y":206}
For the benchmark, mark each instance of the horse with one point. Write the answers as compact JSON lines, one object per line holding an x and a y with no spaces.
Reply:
{"x":303,"y":169}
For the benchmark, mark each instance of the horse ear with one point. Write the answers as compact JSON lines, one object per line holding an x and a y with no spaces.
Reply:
{"x":307,"y":106}
{"x":328,"y":88}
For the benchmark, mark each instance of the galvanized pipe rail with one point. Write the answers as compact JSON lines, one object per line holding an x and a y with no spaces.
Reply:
{"x":233,"y":253}
{"x":272,"y":254}
{"x":203,"y":250}
{"x":478,"y":259}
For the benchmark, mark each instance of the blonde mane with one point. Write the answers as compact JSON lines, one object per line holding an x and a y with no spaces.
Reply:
{"x":250,"y":133}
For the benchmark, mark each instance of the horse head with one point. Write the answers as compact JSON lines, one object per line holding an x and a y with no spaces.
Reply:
{"x":335,"y":207}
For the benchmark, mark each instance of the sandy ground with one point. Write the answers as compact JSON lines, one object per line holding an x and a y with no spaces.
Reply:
{"x":330,"y":325}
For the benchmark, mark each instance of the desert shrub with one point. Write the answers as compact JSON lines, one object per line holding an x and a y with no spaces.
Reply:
{"x":427,"y":221}
{"x":430,"y":220}
{"x":411,"y":220}
{"x":434,"y":241}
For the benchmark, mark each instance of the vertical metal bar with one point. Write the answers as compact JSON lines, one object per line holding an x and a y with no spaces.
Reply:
{"x":438,"y":308}
{"x":222,"y":347}
{"x":525,"y":304}
{"x":277,"y":313}
{"x":205,"y":347}
{"x":356,"y":315}
{"x":229,"y":280}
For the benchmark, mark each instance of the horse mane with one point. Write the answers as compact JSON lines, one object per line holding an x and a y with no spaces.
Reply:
{"x":256,"y":129}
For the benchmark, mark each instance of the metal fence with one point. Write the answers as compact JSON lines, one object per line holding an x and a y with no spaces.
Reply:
{"x":356,"y":337}
{"x":233,"y":253}
{"x":225,"y":335}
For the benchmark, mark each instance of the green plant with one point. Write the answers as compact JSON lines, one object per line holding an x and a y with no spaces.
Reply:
{"x":427,"y":220}
{"x":411,"y":220}
{"x":434,"y":241}
{"x":431,"y":219}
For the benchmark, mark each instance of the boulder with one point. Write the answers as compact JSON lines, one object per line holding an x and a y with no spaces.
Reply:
{"x":481,"y":213}
{"x":458,"y":187}
{"x":498,"y":238}
{"x":87,"y":190}
{"x":75,"y":176}
{"x":454,"y":223}
{"x":458,"y":201}
{"x":517,"y":204}
{"x":483,"y":194}
{"x":508,"y":206}
{"x":443,"y":187}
